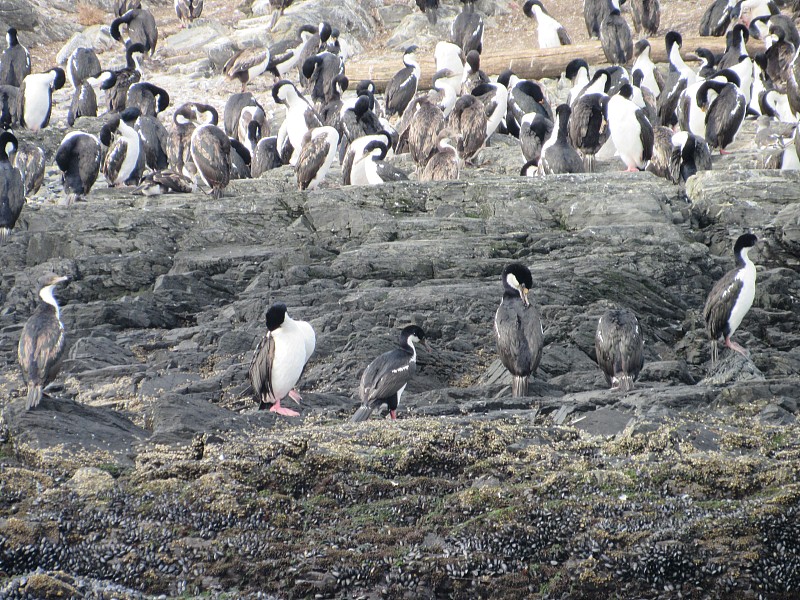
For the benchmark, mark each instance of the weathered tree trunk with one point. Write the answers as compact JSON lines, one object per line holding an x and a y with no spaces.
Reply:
{"x":549,"y":62}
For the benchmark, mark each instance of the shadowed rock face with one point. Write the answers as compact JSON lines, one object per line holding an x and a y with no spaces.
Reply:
{"x":167,"y":302}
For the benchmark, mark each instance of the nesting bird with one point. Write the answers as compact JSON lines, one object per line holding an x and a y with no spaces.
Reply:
{"x":731,"y":298}
{"x":42,"y":342}
{"x":316,"y":155}
{"x":386,"y":377}
{"x":619,"y":346}
{"x":280,"y":358}
{"x":518,"y":328}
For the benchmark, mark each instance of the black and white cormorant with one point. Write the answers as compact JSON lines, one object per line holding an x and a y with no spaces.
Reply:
{"x":357,"y":149}
{"x":717,"y":17}
{"x":231,"y":114}
{"x":646,"y":16}
{"x":300,"y":117}
{"x":619,"y":346}
{"x":386,"y":377}
{"x":524,"y":97}
{"x":725,"y":113}
{"x":15,"y":61}
{"x":42,"y":342}
{"x":12,"y":187}
{"x":330,"y":113}
{"x":533,"y":132}
{"x":468,"y":119}
{"x":731,"y":298}
{"x":735,"y":46}
{"x":402,"y":87}
{"x":357,"y":121}
{"x":30,"y":160}
{"x":558,"y":155}
{"x":630,"y":130}
{"x":149,"y":98}
{"x":79,"y":159}
{"x":372,"y":169}
{"x":253,"y":125}
{"x":615,"y":37}
{"x":445,"y":163}
{"x":679,"y":78}
{"x":494,"y":97}
{"x":247,"y":64}
{"x":577,"y":72}
{"x":588,"y":126}
{"x":211,"y":155}
{"x":116,"y":82}
{"x":188,"y":11}
{"x":550,"y":33}
{"x":467,"y":28}
{"x":518,"y":327}
{"x":141,"y":29}
{"x":35,"y":98}
{"x":279,"y":359}
{"x":695,"y":154}
{"x":165,"y":181}
{"x":315,"y":41}
{"x":473,"y":75}
{"x":651,"y":77}
{"x":316,"y":155}
{"x":125,"y":159}
{"x":320,"y":71}
{"x":155,"y":141}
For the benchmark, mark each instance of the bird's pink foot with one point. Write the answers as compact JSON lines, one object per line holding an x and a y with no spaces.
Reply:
{"x":286,"y":412}
{"x":723,"y":152}
{"x":393,"y":414}
{"x":295,"y":396}
{"x":740,"y":349}
{"x":631,"y":170}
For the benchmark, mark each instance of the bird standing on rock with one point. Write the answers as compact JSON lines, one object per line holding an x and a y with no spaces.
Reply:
{"x":12,"y":187}
{"x":518,"y":328}
{"x":731,"y":298}
{"x":619,"y":345}
{"x":386,"y":377}
{"x":42,"y":342}
{"x":279,"y":359}
{"x":15,"y":61}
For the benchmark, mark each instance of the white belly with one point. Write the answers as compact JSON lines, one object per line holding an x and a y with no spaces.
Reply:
{"x":290,"y":358}
{"x":745,"y":300}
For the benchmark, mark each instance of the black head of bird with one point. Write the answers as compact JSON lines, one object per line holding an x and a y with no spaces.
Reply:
{"x":276,"y":315}
{"x":743,"y":243}
{"x":517,"y":280}
{"x":574,"y":66}
{"x":11,"y":37}
{"x":59,"y":77}
{"x":376,"y":145}
{"x":672,"y":38}
{"x":130,"y":114}
{"x":527,"y":8}
{"x":640,"y":48}
{"x":415,"y":335}
{"x":8,"y":144}
{"x":280,"y":90}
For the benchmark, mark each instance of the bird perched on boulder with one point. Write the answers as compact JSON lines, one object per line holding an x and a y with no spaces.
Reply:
{"x":12,"y":187}
{"x":731,"y":298}
{"x":279,"y":359}
{"x":42,"y":342}
{"x":619,"y":345}
{"x":386,"y":377}
{"x":518,"y":328}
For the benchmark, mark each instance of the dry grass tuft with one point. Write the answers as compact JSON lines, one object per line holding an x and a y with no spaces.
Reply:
{"x":89,"y":14}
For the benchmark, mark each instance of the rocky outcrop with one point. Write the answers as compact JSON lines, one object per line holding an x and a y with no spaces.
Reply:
{"x":166,"y":305}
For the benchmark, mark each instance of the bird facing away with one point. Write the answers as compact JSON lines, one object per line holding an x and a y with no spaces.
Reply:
{"x":386,"y":377}
{"x":518,"y":328}
{"x":15,"y":61}
{"x":41,"y":343}
{"x":731,"y":298}
{"x":280,"y":358}
{"x":619,"y":345}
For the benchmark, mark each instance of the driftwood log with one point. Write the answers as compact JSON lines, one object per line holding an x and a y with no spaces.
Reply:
{"x":549,"y":62}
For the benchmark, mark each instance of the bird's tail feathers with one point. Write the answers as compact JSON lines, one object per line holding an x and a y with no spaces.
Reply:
{"x":362,"y":414}
{"x":519,"y":386}
{"x":34,"y":396}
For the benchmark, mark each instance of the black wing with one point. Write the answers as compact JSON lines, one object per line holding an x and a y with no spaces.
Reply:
{"x":385,"y":376}
{"x":261,"y":369}
{"x":518,"y":330}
